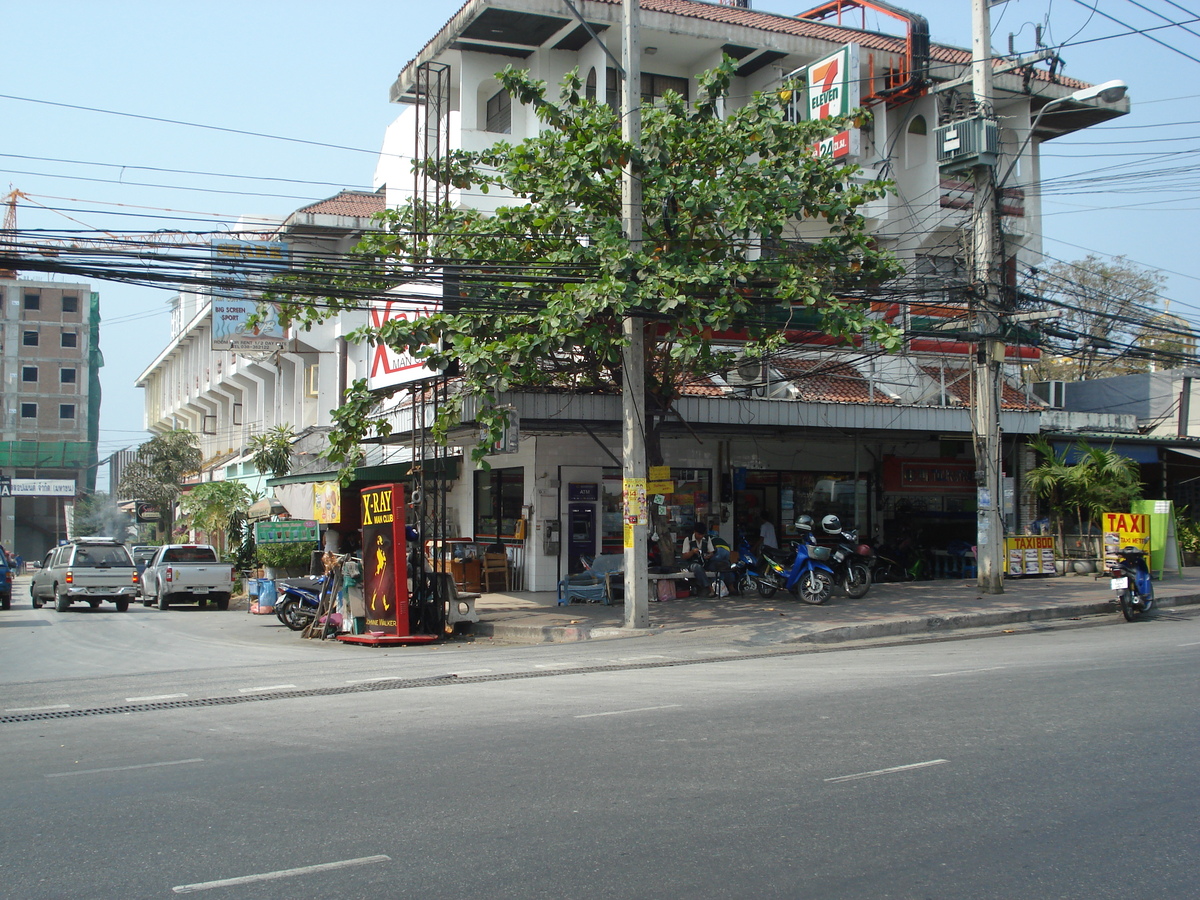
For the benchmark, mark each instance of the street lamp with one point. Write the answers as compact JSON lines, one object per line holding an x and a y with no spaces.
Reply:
{"x":1109,"y":92}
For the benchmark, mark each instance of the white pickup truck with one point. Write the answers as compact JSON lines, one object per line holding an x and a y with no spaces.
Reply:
{"x":187,"y":573}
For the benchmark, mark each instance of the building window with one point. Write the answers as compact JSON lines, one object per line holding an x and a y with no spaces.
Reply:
{"x":33,"y":301}
{"x":29,"y":373}
{"x":499,"y":494}
{"x":30,"y":339}
{"x":28,"y":410}
{"x":589,"y":89}
{"x":70,"y":339}
{"x":66,"y":376}
{"x":499,"y":113}
{"x":66,"y":410}
{"x":653,"y":87}
{"x":70,"y":303}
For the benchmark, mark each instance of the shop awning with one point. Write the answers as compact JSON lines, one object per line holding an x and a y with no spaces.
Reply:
{"x":1185,"y":451}
{"x":441,"y":468}
{"x":266,"y":508}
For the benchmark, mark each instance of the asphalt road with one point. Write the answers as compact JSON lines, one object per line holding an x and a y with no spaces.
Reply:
{"x":1051,"y":764}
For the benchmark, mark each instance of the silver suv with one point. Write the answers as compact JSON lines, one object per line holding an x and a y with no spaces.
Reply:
{"x":89,"y":569}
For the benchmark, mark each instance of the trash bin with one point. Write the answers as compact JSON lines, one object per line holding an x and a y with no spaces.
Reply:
{"x":252,"y":587}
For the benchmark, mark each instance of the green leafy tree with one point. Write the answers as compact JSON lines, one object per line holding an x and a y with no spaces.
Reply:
{"x":216,"y":507}
{"x":544,"y":283}
{"x":1111,"y":321}
{"x":156,"y":473}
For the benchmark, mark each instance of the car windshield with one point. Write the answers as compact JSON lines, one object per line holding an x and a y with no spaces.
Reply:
{"x":101,"y":556}
{"x":144,"y":556}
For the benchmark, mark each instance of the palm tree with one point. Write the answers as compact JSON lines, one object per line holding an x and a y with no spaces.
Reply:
{"x":157,"y":470}
{"x":272,"y":450}
{"x":1099,"y":481}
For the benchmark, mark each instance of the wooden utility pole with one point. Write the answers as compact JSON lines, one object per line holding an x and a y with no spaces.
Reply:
{"x":633,"y":392}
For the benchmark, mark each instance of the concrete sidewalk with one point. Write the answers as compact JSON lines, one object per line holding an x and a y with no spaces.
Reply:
{"x":920,"y":607}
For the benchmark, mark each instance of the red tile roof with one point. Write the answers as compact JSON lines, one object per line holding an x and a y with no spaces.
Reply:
{"x":354,"y":204}
{"x":701,"y":386}
{"x":824,"y":381}
{"x":958,"y":385}
{"x":783,"y":24}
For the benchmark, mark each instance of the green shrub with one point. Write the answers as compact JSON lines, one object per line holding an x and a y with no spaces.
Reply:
{"x":285,"y":556}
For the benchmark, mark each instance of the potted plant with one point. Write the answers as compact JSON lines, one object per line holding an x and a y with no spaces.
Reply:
{"x":284,"y":560}
{"x":1187,"y":530}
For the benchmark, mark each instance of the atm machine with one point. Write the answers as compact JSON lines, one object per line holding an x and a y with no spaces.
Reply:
{"x":581,"y":535}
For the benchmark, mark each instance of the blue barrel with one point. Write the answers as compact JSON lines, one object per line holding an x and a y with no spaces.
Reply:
{"x":267,"y":595}
{"x":252,"y":586}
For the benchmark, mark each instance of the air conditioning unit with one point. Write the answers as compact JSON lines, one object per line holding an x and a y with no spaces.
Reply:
{"x":312,"y":381}
{"x":967,"y":143}
{"x":1053,"y":393}
{"x":750,"y":375}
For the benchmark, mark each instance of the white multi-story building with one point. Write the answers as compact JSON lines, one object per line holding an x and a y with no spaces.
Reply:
{"x":228,"y":396}
{"x":883,"y":441}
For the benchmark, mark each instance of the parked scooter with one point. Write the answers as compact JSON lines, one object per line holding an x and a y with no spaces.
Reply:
{"x":298,"y":601}
{"x":851,"y":561}
{"x":1131,"y":580}
{"x":809,"y":578}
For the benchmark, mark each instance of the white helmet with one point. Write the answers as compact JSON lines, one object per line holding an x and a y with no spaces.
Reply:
{"x":804,"y":523}
{"x":831,"y":525}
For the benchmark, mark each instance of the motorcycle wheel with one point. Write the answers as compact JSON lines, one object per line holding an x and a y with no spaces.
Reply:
{"x":814,"y":587}
{"x":857,"y":580}
{"x":293,"y":616}
{"x":1126,"y":602}
{"x":746,"y":584}
{"x":768,"y":583}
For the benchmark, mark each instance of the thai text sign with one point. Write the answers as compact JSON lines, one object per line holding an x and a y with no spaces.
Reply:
{"x":1029,"y":554}
{"x":929,"y":475}
{"x":43,"y":487}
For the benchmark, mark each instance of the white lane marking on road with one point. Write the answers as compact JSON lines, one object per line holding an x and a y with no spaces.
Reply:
{"x":560,"y":665}
{"x":920,"y":765}
{"x":638,"y":658}
{"x":268,"y":687}
{"x":459,"y":672}
{"x":621,"y":712}
{"x":966,"y":672}
{"x":154,"y":765}
{"x":374,"y":680}
{"x":155,"y":697}
{"x":39,"y":708}
{"x":716,"y":652}
{"x":281,"y":873}
{"x":1192,"y":644}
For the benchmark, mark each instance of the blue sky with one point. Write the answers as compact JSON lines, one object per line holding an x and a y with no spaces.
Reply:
{"x":300,"y":71}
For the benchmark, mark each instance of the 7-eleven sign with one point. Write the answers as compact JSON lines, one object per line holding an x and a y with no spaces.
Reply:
{"x":833,"y":84}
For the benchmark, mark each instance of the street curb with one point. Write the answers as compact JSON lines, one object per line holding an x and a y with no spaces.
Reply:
{"x":556,"y":634}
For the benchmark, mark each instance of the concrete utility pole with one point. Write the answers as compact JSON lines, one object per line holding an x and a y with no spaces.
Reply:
{"x":633,"y":393}
{"x":985,"y":420}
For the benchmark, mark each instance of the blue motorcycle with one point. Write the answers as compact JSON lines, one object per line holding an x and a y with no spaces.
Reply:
{"x":299,"y":599}
{"x":809,"y":578}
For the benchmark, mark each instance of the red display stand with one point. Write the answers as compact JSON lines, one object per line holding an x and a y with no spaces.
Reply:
{"x":385,"y":588}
